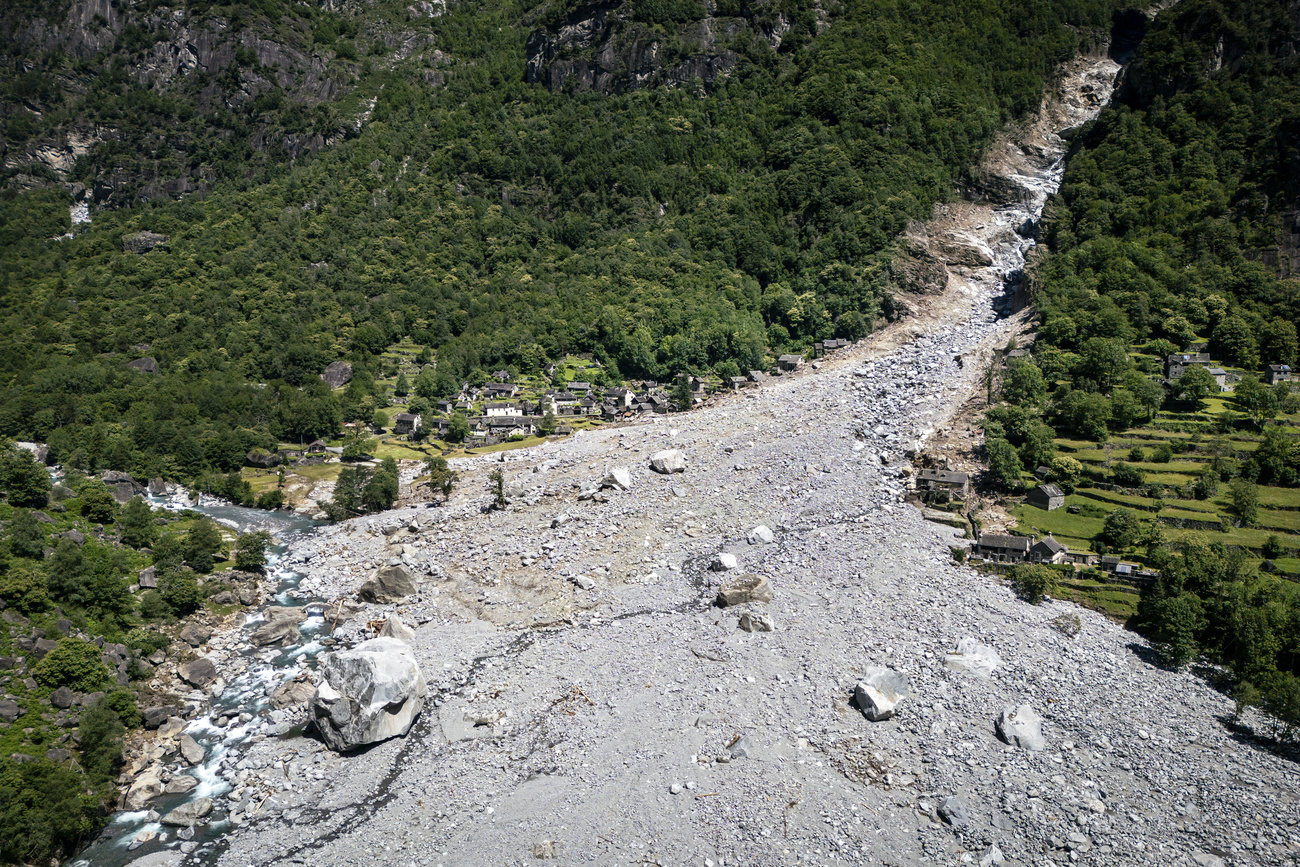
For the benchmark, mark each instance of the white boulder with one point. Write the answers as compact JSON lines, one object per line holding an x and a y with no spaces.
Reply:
{"x":1022,"y":727}
{"x":668,"y":461}
{"x":619,"y":478}
{"x":368,"y":694}
{"x":974,"y":657}
{"x":761,"y":535}
{"x":880,"y":691}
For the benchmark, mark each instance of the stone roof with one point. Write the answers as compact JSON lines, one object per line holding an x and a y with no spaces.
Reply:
{"x":1011,"y":543}
{"x":951,"y":476}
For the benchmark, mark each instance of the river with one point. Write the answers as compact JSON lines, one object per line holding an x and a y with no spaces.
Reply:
{"x":241,"y":702}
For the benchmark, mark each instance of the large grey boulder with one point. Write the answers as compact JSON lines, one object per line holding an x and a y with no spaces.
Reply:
{"x":144,"y":365}
{"x":147,"y":578}
{"x":200,"y":672}
{"x":390,"y":584}
{"x":880,"y":691}
{"x":144,"y":788}
{"x":142,"y":242}
{"x":181,"y":784}
{"x":367,"y":694}
{"x":971,"y":656}
{"x":195,"y":634}
{"x":191,"y":750}
{"x":337,"y":374}
{"x":394,"y":628}
{"x":668,"y":461}
{"x":280,"y":628}
{"x":619,"y":478}
{"x":1022,"y":727}
{"x":188,"y":814}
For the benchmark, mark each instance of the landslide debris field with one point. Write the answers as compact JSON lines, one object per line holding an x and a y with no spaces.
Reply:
{"x":591,"y":703}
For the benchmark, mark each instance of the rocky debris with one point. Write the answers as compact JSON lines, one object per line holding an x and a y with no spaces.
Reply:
{"x":744,"y":588}
{"x":1068,"y":624}
{"x":992,"y":857}
{"x":188,"y":814}
{"x":536,"y":676}
{"x":394,"y":628}
{"x":724,"y":563}
{"x":618,"y":478}
{"x":954,"y":813}
{"x":280,"y":628}
{"x":195,"y":634}
{"x":199,"y":672}
{"x":190,"y":749}
{"x":291,"y":694}
{"x":156,"y":716}
{"x":144,"y":365}
{"x":760,"y":535}
{"x":337,"y":374}
{"x":1022,"y":727}
{"x":752,"y":621}
{"x":367,"y":694}
{"x":142,"y":242}
{"x":390,"y":584}
{"x":668,"y":461}
{"x":879,"y":692}
{"x":973,"y":657}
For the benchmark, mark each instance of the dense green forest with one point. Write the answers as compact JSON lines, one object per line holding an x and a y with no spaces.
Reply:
{"x":500,"y":223}
{"x":1175,"y":224}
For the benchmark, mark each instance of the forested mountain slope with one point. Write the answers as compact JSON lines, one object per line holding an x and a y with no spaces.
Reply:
{"x":1177,"y":224}
{"x":496,"y":221}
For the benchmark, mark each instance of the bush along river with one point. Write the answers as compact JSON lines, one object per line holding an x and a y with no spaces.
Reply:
{"x":190,"y":780}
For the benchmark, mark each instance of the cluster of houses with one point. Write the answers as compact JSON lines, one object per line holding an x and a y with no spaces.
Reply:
{"x":507,"y":412}
{"x":1179,"y":363}
{"x":1014,"y":550}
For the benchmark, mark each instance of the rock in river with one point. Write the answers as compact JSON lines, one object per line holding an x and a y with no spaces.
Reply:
{"x":199,"y":672}
{"x":367,"y":694}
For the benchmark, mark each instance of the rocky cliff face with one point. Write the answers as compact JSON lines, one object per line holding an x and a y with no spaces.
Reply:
{"x":607,"y":47}
{"x":113,"y":99}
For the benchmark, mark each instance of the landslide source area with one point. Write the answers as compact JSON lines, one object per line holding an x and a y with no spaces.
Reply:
{"x":591,"y":703}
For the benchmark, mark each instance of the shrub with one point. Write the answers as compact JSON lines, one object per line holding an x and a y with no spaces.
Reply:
{"x":1033,"y":582}
{"x":74,"y":663}
{"x":1121,"y":529}
{"x":97,"y":504}
{"x":153,"y":607}
{"x":1272,"y":547}
{"x":180,"y":591}
{"x":101,"y":733}
{"x":270,"y":500}
{"x":24,"y":591}
{"x":251,"y":556}
{"x":146,"y":641}
{"x":1126,"y":475}
{"x":1136,"y":455}
{"x":45,"y":812}
{"x":1161,"y":453}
